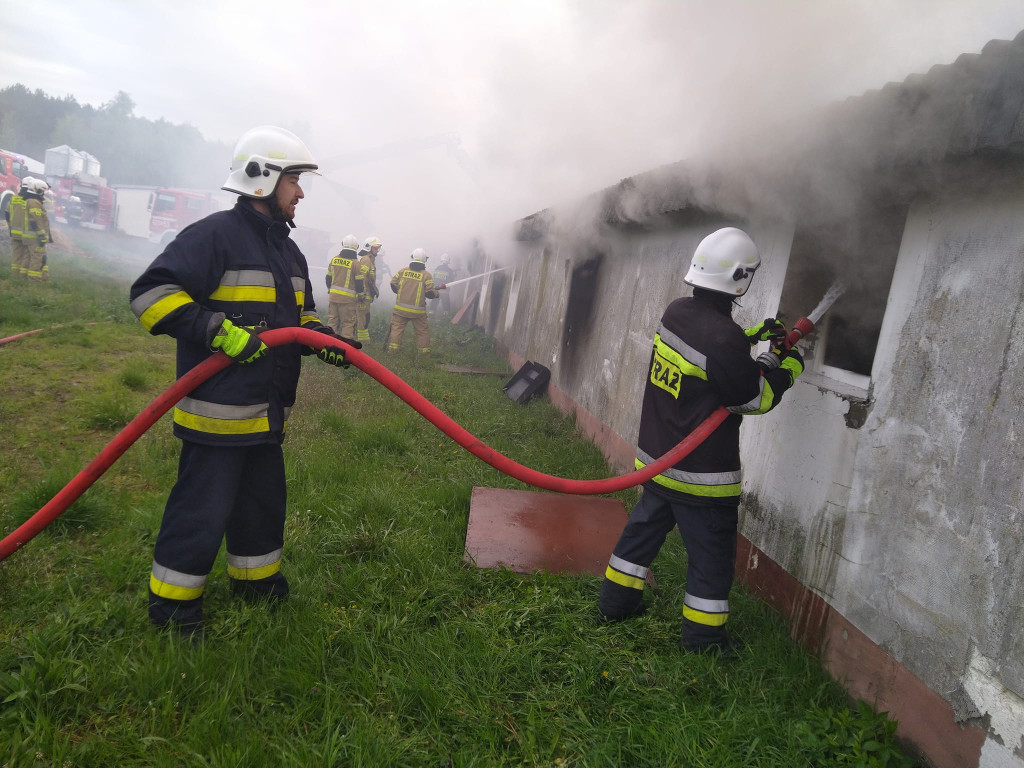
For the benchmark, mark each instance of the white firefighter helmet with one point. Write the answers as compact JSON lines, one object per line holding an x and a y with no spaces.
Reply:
{"x":28,"y":184}
{"x":261,"y":156}
{"x":446,"y":259}
{"x":349,"y":243}
{"x":725,"y":262}
{"x":38,"y":186}
{"x":419,"y":255}
{"x":368,"y":244}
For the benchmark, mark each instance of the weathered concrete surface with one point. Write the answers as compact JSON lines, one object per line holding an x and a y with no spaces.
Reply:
{"x":903,"y":514}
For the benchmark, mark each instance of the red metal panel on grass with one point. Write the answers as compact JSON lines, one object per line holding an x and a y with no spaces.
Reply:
{"x":529,"y":531}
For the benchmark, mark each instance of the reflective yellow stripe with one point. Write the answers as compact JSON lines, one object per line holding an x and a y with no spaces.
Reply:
{"x":716,"y":491}
{"x":343,"y":292}
{"x":415,"y":310}
{"x":675,"y":358}
{"x":708,"y":619}
{"x":160,"y":309}
{"x":163,"y":589}
{"x":254,"y":567}
{"x":620,"y":578}
{"x":300,"y":298}
{"x":221,"y":426}
{"x":245,"y":293}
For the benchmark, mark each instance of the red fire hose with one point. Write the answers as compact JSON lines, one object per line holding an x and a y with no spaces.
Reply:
{"x":277,"y":337}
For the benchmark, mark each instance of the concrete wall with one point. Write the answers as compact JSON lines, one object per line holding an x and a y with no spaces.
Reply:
{"x":896,"y":502}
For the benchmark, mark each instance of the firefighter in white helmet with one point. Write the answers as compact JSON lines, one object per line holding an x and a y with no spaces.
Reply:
{"x":17,"y":223}
{"x":219,"y":283}
{"x":366,"y":285}
{"x":701,"y":360}
{"x":37,"y":233}
{"x":443,"y":275}
{"x":342,"y":296}
{"x":412,"y":287}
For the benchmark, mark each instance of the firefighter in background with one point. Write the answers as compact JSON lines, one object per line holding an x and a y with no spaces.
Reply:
{"x":216,"y":285}
{"x":37,"y":232}
{"x":445,"y":273}
{"x":412,"y":287}
{"x":17,"y":223}
{"x":701,"y":360}
{"x":366,"y":286}
{"x":342,"y":297}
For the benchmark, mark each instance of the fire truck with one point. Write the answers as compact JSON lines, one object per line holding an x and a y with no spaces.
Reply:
{"x":82,"y":197}
{"x":174,"y":209}
{"x":13,"y":169}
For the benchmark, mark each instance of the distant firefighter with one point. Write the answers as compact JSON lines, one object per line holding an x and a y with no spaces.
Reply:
{"x":17,"y":223}
{"x":366,"y":286}
{"x":412,"y":286}
{"x":342,"y":296}
{"x":36,"y":234}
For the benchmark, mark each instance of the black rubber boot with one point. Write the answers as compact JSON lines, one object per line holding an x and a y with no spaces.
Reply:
{"x":273,"y":588}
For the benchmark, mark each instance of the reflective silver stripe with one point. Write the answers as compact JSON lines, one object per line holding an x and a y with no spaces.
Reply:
{"x":249,"y":562}
{"x":705,"y":605}
{"x":287,"y":412}
{"x":626,"y":567}
{"x":697,"y":358}
{"x":177,"y":578}
{"x":298,"y":284}
{"x":220,"y":411}
{"x":754,"y":404}
{"x":695,"y":478}
{"x":247,"y":277}
{"x":152,"y":296}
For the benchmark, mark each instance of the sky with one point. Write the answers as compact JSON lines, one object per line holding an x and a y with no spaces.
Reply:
{"x":484,"y":110}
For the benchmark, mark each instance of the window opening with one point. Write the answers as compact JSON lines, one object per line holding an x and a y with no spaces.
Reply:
{"x":862,"y":253}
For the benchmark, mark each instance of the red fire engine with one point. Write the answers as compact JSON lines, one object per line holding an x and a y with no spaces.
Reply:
{"x":174,"y":209}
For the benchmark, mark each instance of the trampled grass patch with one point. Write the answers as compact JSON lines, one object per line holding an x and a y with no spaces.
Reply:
{"x":391,"y":650}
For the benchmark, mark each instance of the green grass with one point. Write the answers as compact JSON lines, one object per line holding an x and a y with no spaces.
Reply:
{"x":391,"y":651}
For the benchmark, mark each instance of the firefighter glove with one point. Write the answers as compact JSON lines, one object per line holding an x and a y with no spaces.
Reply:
{"x":792,"y":363}
{"x":767,"y":330}
{"x":333,"y":354}
{"x":239,"y":343}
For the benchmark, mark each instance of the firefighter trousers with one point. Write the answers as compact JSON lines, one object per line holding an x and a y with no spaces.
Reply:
{"x":221,"y":491}
{"x":709,"y":534}
{"x":363,"y":319}
{"x":342,"y":319}
{"x":36,"y":268}
{"x":19,"y":257}
{"x":420,"y":326}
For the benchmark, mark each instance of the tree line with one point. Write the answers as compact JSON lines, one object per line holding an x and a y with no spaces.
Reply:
{"x":131,"y":149}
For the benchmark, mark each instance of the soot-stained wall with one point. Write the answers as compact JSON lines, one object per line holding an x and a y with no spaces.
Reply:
{"x":900,"y":506}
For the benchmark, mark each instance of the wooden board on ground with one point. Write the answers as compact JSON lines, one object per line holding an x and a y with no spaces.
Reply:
{"x":463,"y":369}
{"x":529,"y":531}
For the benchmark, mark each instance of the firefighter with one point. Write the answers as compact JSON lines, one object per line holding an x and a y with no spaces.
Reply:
{"x":366,"y":285}
{"x":216,"y":285}
{"x":412,"y":287}
{"x":36,"y":234}
{"x":342,"y":297}
{"x":17,"y":223}
{"x":442,"y":275}
{"x":701,"y":360}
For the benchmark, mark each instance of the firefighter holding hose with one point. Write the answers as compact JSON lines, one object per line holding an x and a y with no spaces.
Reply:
{"x":219,"y":283}
{"x":701,"y":360}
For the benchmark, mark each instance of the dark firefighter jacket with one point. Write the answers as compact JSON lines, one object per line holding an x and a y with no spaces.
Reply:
{"x":241,"y":265}
{"x":701,"y":359}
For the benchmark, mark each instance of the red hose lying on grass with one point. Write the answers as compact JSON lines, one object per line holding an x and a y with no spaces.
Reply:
{"x":277,"y":337}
